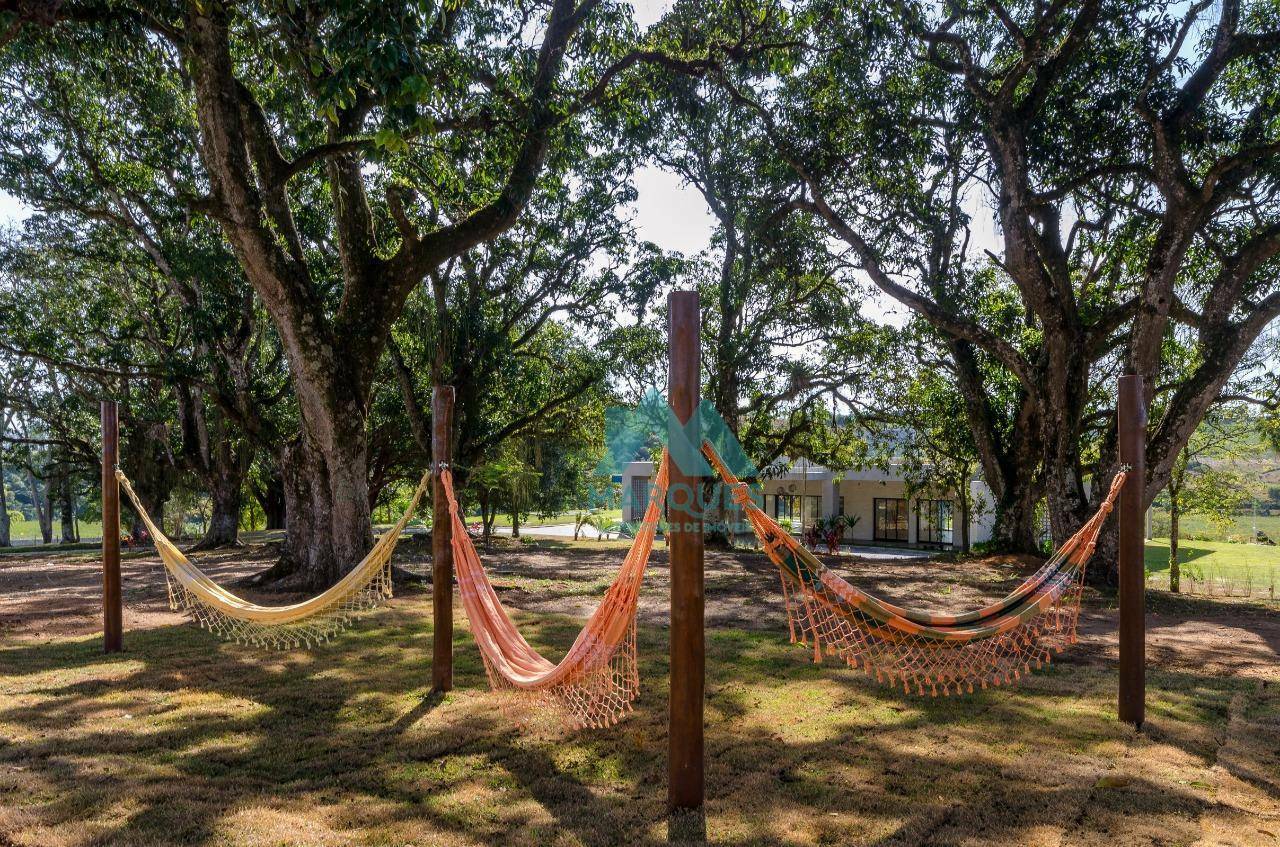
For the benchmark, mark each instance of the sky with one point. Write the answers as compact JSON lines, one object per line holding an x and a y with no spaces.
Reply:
{"x":11,"y":211}
{"x":668,"y":213}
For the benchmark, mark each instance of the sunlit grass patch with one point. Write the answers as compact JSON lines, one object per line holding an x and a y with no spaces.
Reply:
{"x":1218,"y":568}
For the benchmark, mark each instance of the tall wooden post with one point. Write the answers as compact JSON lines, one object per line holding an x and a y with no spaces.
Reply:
{"x":441,"y":542}
{"x":112,"y":600}
{"x":1131,"y":422}
{"x":684,"y":519}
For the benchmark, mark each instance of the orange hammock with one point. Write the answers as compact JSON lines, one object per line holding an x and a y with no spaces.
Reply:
{"x":919,"y":649}
{"x":597,"y":680}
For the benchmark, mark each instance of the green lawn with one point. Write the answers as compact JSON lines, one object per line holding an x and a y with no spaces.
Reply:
{"x":1254,"y":568}
{"x":1198,"y":525}
{"x":503,"y":519}
{"x":30,"y":530}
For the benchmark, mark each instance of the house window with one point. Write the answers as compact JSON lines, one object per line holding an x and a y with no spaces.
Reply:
{"x":801,"y":509}
{"x":890,"y":519}
{"x":639,"y":497}
{"x":933,"y":521}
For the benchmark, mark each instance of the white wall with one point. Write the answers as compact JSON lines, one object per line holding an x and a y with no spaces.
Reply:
{"x":982,"y":501}
{"x":860,"y":495}
{"x":859,"y":499}
{"x":631,"y":509}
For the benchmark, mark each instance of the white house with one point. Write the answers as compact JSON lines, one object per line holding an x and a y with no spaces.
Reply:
{"x":875,"y":499}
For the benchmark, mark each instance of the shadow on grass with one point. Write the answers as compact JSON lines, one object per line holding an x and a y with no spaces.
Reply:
{"x":184,"y":734}
{"x":1157,"y":558}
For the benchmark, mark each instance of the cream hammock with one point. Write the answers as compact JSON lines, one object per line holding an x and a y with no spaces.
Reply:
{"x":278,"y":627}
{"x":597,"y":680}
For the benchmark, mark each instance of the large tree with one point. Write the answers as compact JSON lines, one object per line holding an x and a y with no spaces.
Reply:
{"x":772,"y":293}
{"x":346,"y":150}
{"x":1129,"y":153}
{"x":523,"y":327}
{"x":51,"y":423}
{"x":167,"y":304}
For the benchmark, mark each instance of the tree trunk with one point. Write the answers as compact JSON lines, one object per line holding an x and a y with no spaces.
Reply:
{"x":5,"y":538}
{"x":145,"y":459}
{"x":328,"y":526}
{"x":327,"y":522}
{"x":67,"y":511}
{"x":515,"y":519}
{"x":486,"y":520}
{"x":153,"y":501}
{"x":270,"y":497}
{"x":42,"y":514}
{"x":331,"y":363}
{"x":1175,"y":512}
{"x":223,"y":529}
{"x":1008,"y":463}
{"x":1015,"y":527}
{"x":962,"y":497}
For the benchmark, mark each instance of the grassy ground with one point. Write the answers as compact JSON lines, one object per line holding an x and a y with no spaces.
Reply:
{"x":1248,"y":569}
{"x":1193,"y":524}
{"x":502,"y":519}
{"x":30,"y":530}
{"x":187,"y":740}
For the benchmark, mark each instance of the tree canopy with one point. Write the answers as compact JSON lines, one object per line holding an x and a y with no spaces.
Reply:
{"x":272,"y":227}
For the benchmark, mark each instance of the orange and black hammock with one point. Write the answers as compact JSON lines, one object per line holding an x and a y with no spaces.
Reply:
{"x":919,"y":650}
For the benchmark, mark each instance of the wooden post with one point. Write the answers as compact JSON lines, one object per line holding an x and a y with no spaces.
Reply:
{"x":1131,"y":423}
{"x":685,"y":764}
{"x":112,"y":601}
{"x":441,"y":542}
